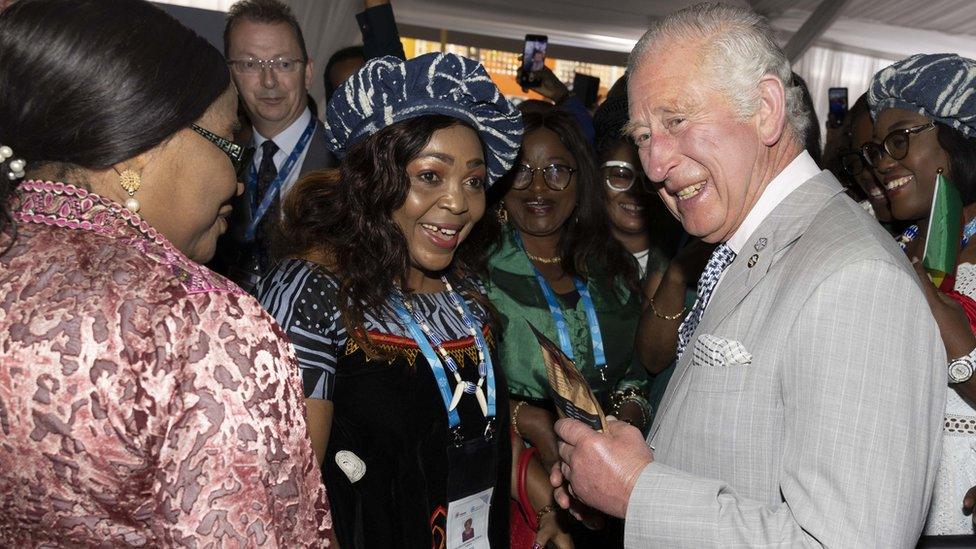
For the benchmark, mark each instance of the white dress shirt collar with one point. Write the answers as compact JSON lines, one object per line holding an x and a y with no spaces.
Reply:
{"x":795,"y":174}
{"x":287,"y":139}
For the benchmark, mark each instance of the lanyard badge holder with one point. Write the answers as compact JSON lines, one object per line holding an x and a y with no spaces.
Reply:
{"x":565,"y":345}
{"x":472,"y":464}
{"x":261,"y":205}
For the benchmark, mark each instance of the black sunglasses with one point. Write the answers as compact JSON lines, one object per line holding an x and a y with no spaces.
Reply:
{"x":239,"y":156}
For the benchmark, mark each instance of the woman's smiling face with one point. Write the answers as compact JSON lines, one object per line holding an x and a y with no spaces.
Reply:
{"x":446,"y":197}
{"x":909,"y":182}
{"x":539,"y":210}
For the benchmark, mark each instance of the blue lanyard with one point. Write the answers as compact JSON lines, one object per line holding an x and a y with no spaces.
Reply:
{"x":599,"y":357}
{"x":437,"y":365}
{"x":968,"y":231}
{"x":260,"y":209}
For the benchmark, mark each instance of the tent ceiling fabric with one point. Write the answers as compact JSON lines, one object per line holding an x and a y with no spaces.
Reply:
{"x":884,"y":28}
{"x":601,"y":24}
{"x":949,"y":16}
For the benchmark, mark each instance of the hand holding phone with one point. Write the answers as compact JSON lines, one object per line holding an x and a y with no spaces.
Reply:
{"x":533,"y":60}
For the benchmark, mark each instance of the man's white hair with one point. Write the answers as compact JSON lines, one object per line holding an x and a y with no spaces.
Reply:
{"x":738,"y":51}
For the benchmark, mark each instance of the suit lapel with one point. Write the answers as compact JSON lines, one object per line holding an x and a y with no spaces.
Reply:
{"x":318,"y":156}
{"x":781,"y":228}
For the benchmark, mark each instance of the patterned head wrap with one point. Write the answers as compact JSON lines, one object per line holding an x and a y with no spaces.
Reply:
{"x":388,"y":90}
{"x":941,"y":86}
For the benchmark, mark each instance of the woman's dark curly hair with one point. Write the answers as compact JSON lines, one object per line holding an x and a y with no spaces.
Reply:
{"x":961,"y":151}
{"x":343,"y":219}
{"x":586,"y":242}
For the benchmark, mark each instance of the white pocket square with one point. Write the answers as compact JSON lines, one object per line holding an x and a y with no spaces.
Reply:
{"x":718,"y":351}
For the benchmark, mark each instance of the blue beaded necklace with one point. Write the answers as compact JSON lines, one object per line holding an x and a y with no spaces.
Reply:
{"x":911,"y":232}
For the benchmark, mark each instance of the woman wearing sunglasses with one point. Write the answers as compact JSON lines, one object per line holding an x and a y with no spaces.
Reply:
{"x":557,"y":267}
{"x":634,"y":212}
{"x":925,"y":123}
{"x":143,"y":399}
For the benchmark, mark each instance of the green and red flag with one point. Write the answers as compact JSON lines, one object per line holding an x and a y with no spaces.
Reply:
{"x":945,"y":231}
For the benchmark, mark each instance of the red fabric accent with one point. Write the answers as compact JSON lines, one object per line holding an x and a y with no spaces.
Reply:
{"x":438,"y":523}
{"x":968,"y":305}
{"x":522,"y":535}
{"x":523,"y":494}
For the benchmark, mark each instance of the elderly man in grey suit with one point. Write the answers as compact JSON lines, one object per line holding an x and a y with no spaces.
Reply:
{"x":806,"y":407}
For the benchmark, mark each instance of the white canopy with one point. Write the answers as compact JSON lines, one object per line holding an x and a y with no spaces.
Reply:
{"x":844,"y":42}
{"x":859,"y":39}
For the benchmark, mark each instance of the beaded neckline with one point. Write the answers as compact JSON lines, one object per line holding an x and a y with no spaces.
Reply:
{"x":64,"y":205}
{"x":38,"y":203}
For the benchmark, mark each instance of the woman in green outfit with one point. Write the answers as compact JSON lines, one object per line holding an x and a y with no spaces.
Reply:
{"x":556,"y":264}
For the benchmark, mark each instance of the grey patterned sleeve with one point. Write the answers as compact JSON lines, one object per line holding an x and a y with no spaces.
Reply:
{"x":302,"y":298}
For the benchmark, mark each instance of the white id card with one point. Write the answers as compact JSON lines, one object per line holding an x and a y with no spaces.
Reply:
{"x":467,"y":521}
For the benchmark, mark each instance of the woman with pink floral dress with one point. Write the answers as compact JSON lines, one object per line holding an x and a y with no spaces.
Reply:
{"x":144,"y":400}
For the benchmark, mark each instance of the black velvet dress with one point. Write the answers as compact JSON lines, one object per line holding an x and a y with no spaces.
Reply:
{"x":391,"y":416}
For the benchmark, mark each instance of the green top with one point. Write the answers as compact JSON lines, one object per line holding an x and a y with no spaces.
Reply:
{"x":515,"y":293}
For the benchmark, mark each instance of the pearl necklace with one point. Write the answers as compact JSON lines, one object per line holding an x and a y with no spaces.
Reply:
{"x":462,"y":386}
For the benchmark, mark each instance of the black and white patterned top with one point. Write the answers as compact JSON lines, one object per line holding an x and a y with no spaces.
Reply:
{"x":302,"y":297}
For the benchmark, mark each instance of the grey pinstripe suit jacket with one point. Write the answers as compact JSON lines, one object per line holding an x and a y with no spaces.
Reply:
{"x":808,"y":411}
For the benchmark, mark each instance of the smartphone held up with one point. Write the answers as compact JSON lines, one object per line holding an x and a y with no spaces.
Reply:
{"x":837,"y":99}
{"x":533,"y":60}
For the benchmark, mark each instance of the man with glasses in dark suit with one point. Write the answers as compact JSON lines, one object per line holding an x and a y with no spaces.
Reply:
{"x":269,"y":63}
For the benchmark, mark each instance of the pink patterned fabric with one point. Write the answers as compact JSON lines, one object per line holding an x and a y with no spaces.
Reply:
{"x":144,"y":401}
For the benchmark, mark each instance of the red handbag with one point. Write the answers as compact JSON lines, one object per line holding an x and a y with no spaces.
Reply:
{"x":522,"y":522}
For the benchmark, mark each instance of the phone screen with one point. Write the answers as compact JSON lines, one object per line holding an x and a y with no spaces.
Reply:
{"x":837,"y":98}
{"x":534,"y":55}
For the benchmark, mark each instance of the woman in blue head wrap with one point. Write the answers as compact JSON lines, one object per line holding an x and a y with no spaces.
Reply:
{"x":925,"y":125}
{"x":406,"y":409}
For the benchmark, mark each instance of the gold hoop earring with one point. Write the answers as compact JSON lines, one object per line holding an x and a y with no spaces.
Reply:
{"x":502,"y":214}
{"x":130,"y":180}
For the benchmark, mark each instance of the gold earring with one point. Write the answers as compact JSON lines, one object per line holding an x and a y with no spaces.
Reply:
{"x":130,"y":180}
{"x":502,"y":214}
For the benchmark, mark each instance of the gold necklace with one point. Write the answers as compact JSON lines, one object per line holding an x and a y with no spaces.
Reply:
{"x":546,"y":260}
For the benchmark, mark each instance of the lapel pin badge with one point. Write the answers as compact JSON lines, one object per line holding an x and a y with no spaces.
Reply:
{"x":760,"y":244}
{"x":753,"y":260}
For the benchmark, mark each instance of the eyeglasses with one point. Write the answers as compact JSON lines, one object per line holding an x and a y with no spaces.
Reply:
{"x":895,"y":144}
{"x":254,"y":66}
{"x":556,"y":176}
{"x":239,"y":156}
{"x":853,"y":163}
{"x":620,"y":176}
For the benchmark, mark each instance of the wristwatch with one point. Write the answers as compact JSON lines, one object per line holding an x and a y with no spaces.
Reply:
{"x":961,"y":369}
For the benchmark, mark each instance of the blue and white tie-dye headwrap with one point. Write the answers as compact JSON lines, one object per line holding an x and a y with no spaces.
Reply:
{"x":941,"y":86}
{"x":388,"y":90}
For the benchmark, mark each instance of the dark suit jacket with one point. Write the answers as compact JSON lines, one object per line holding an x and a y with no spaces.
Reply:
{"x":234,"y":256}
{"x":318,"y":156}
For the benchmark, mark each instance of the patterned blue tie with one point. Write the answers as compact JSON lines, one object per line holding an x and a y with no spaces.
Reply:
{"x":721,"y":258}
